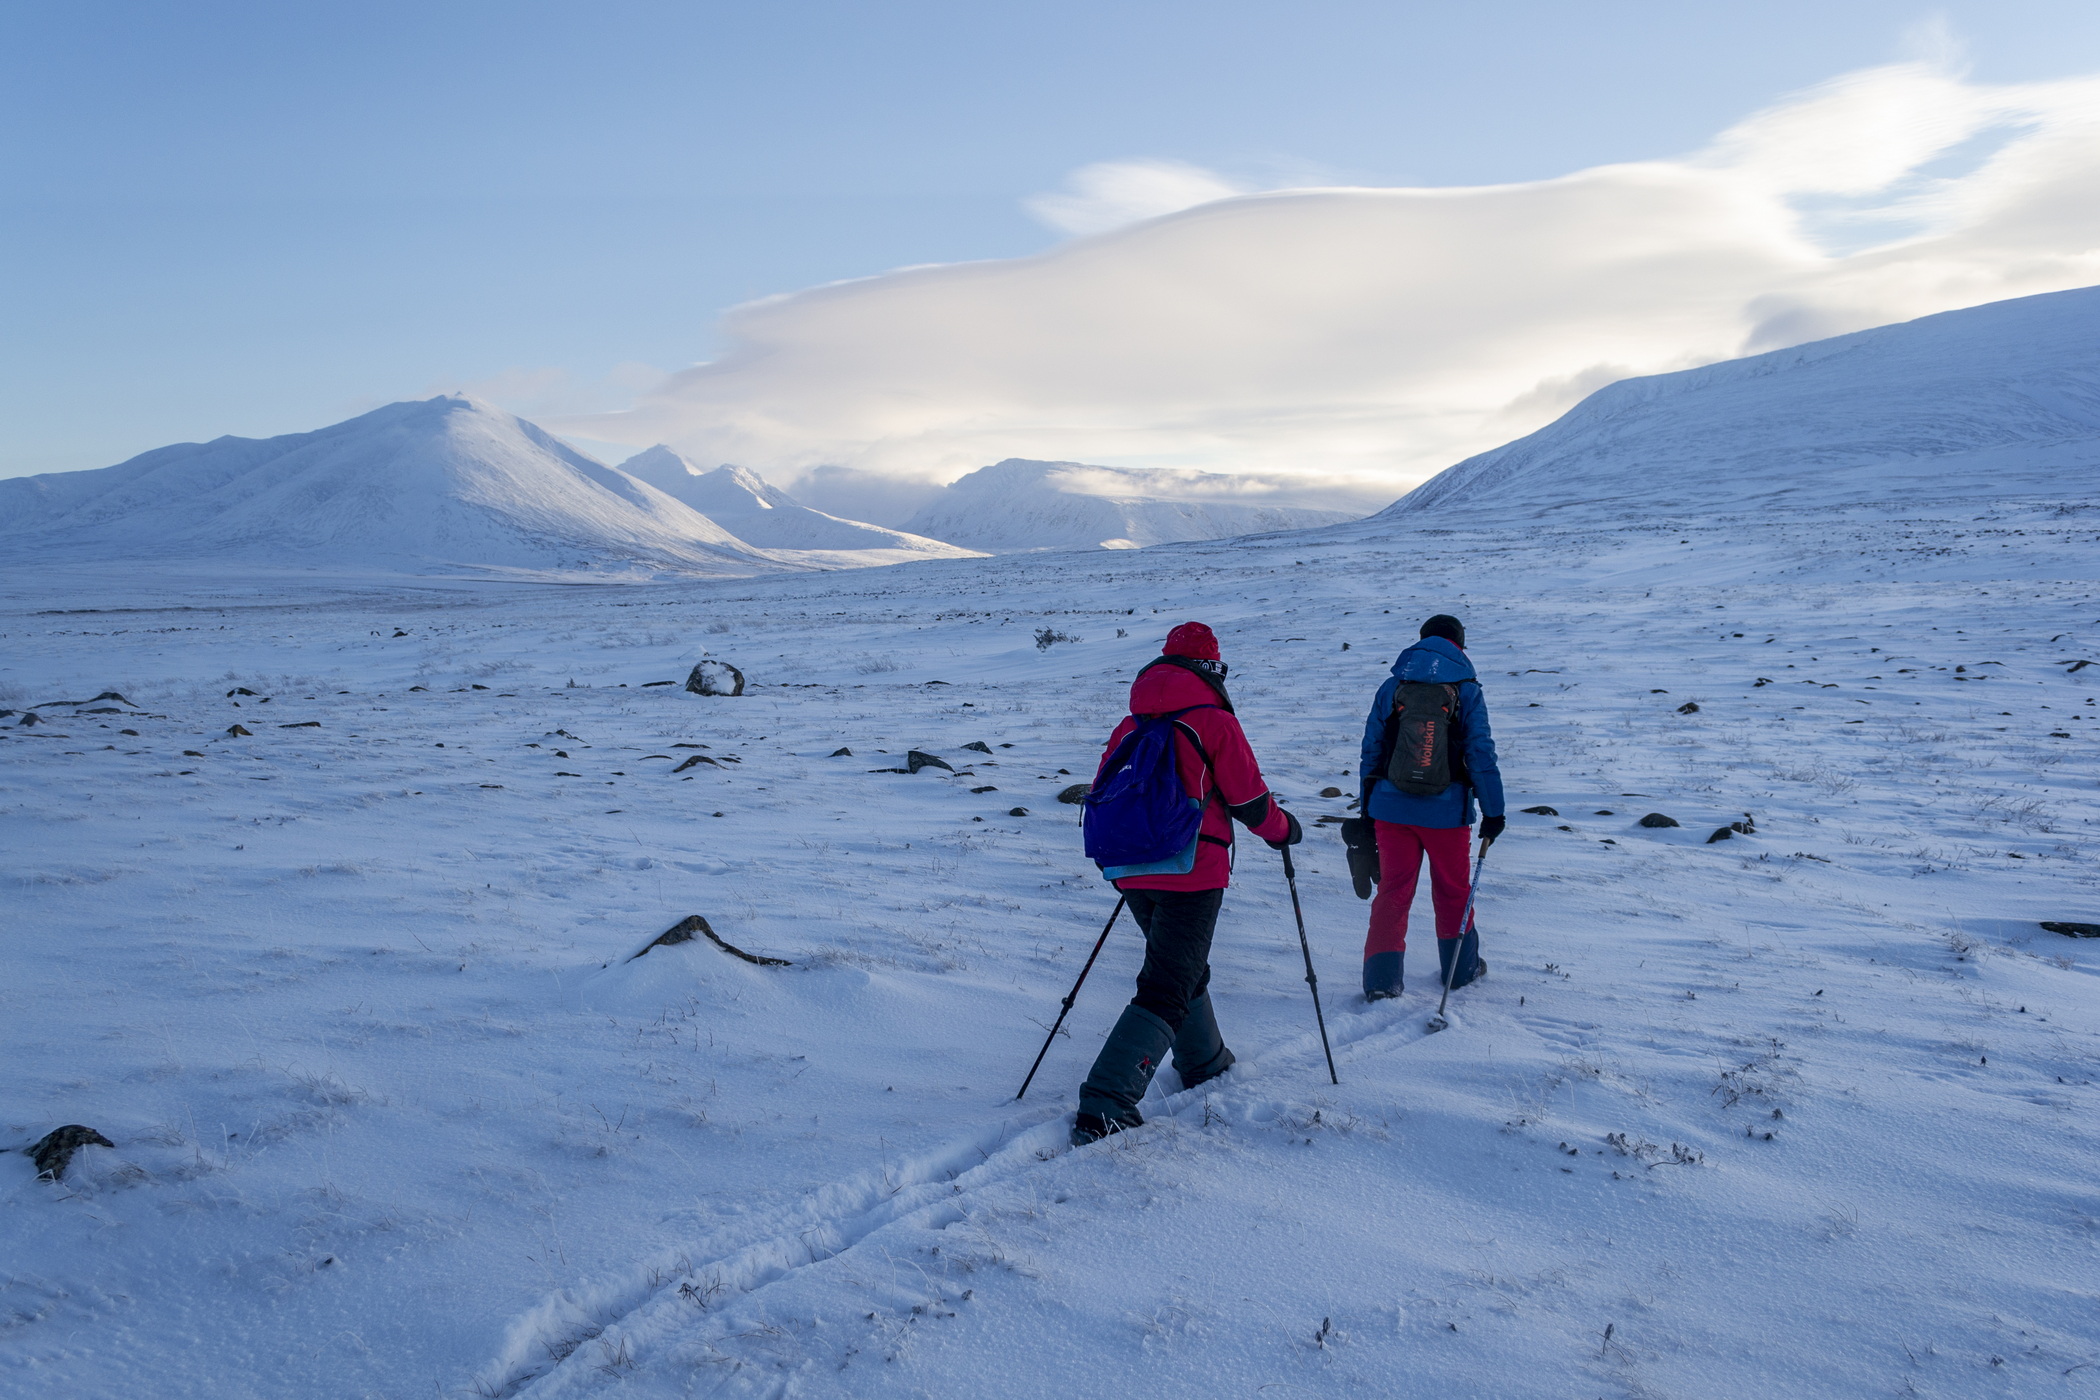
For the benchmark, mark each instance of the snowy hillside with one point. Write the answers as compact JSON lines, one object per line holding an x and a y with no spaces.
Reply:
{"x":445,"y":485}
{"x":1809,"y":1111}
{"x":1018,"y":505}
{"x":1993,"y":402}
{"x":757,"y":512}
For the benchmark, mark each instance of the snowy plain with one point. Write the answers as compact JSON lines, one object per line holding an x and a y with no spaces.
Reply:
{"x":1809,"y":1112}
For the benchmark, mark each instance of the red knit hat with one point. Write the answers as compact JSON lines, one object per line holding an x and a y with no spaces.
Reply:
{"x":1193,"y":640}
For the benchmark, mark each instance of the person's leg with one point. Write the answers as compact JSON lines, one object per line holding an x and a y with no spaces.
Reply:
{"x":1385,"y":945}
{"x":1178,"y":926}
{"x":1450,"y":881}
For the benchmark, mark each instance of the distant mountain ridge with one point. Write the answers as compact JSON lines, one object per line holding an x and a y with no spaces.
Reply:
{"x":1019,"y":504}
{"x":446,"y":484}
{"x":1989,"y":402}
{"x":760,"y":513}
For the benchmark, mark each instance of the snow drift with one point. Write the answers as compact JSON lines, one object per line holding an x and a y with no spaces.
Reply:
{"x":1991,"y":402}
{"x":1019,"y":505}
{"x":447,"y":484}
{"x":760,"y":513}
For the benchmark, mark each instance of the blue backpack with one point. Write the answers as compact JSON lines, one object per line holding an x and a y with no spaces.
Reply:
{"x":1139,"y":819}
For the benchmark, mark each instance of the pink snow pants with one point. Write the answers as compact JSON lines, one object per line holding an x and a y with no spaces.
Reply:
{"x":1400,"y":851}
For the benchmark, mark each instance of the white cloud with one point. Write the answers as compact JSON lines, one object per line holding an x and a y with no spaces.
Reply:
{"x":1385,"y":333}
{"x":1108,"y":195}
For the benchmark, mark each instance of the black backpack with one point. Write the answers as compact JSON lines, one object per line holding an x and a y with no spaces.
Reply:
{"x":1424,"y":749}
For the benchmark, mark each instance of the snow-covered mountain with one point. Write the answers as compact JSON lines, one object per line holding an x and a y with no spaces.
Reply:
{"x":760,"y":513}
{"x":1018,"y":505}
{"x":1991,"y":402}
{"x":446,"y":484}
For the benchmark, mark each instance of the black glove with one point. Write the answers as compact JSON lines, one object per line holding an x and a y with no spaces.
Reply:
{"x":1361,"y":839}
{"x":1291,"y":837}
{"x":1490,"y":828}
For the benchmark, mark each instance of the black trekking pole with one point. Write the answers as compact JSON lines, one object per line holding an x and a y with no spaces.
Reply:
{"x":1437,"y":1022}
{"x":1071,"y":997}
{"x":1312,"y":979}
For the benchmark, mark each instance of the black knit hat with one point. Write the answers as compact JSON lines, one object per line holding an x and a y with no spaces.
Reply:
{"x":1446,"y":626}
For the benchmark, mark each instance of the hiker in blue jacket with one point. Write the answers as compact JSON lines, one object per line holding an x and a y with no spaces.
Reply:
{"x":1411,"y":825}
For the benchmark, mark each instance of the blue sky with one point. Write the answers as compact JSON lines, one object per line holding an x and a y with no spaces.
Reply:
{"x":262,"y":218}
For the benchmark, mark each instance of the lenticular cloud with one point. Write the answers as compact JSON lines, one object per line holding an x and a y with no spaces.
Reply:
{"x":1385,"y":333}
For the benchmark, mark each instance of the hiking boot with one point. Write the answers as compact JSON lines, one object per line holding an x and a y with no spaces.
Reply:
{"x":1383,"y":994}
{"x":1088,"y":1127}
{"x":1480,"y":968}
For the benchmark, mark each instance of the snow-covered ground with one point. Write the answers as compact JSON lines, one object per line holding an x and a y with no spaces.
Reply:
{"x":1809,"y":1112}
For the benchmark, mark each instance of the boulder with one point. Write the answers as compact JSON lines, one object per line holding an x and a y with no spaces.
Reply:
{"x":978,"y":747}
{"x":53,"y":1152}
{"x":1018,"y":812}
{"x":1330,"y":792}
{"x":238,"y":731}
{"x":1542,"y":811}
{"x":1721,"y":833}
{"x":1689,"y":707}
{"x":916,"y":759}
{"x":1656,"y":820}
{"x":715,"y":678}
{"x":1075,"y":794}
{"x":842,"y":752}
{"x":2071,"y":930}
{"x":685,"y":928}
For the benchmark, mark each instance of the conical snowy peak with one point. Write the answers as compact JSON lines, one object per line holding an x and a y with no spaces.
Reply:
{"x":1993,"y":401}
{"x":446,"y":483}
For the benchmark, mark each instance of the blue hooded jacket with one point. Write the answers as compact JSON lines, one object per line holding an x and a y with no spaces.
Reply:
{"x":1439,"y":660}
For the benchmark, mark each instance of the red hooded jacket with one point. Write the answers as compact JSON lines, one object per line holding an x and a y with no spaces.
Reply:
{"x":1234,"y":781}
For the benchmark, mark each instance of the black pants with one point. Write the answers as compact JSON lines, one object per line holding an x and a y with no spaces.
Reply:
{"x":1178,"y":925}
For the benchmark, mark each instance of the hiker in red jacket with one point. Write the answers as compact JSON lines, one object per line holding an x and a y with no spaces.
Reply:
{"x":1179,"y":911}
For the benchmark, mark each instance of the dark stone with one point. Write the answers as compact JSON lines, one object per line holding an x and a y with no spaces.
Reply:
{"x":238,"y":690}
{"x":695,"y":760}
{"x":685,"y":928}
{"x":1688,"y":708}
{"x":984,"y":789}
{"x":2072,"y":930}
{"x":1656,"y":820}
{"x":1721,"y":833}
{"x":715,"y":678}
{"x":645,"y":684}
{"x":302,"y":724}
{"x":978,"y":747}
{"x":1762,"y":680}
{"x":916,"y":759}
{"x":53,"y":1152}
{"x":1542,"y":811}
{"x":842,"y":752}
{"x":1075,"y":794}
{"x":29,"y":718}
{"x":1018,"y":812}
{"x":1330,"y":792}
{"x":239,"y":731}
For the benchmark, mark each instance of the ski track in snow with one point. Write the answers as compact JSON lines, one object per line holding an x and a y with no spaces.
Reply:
{"x":381,"y":1133}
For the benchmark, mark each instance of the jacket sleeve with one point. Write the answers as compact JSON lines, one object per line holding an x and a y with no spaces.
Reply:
{"x":1480,"y":750}
{"x":1240,"y":784}
{"x":1374,"y":735}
